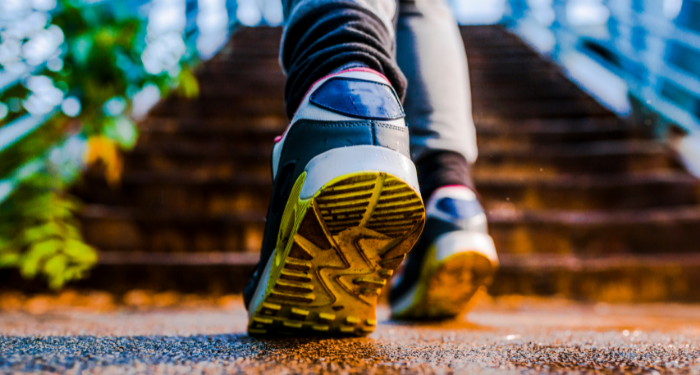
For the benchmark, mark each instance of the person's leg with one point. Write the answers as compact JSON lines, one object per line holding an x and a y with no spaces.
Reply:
{"x":326,"y":36}
{"x":438,"y":103}
{"x":454,"y":256}
{"x":345,"y":207}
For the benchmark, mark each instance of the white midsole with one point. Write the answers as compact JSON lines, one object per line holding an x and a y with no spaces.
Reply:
{"x":342,"y":161}
{"x":259,"y":294}
{"x":458,"y":241}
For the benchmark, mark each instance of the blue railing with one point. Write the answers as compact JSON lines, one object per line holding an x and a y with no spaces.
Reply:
{"x":648,"y":50}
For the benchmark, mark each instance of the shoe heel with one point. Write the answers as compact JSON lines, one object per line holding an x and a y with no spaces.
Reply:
{"x":457,"y":267}
{"x":336,"y":249}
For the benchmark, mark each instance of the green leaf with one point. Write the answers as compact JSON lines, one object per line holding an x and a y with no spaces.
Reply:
{"x":54,"y":269}
{"x":41,"y":232}
{"x":9,"y":259}
{"x":80,"y":252}
{"x":37,"y":253}
{"x":188,"y":86}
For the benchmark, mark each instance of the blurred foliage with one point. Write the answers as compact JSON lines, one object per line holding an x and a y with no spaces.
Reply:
{"x":98,"y":67}
{"x":46,"y":238}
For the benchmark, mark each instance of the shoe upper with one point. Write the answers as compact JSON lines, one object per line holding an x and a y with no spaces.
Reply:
{"x":352,"y":108}
{"x":449,"y":209}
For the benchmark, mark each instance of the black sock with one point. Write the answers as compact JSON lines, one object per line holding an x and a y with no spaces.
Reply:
{"x":442,"y":168}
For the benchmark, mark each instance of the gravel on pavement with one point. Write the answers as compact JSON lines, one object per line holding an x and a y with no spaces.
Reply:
{"x":507,"y":335}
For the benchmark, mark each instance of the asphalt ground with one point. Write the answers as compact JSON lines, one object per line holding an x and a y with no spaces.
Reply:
{"x":507,"y":335}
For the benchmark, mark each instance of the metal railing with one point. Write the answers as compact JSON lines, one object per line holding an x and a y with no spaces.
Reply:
{"x":648,"y":50}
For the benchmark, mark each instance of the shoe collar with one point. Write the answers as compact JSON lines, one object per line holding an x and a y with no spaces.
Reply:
{"x":309,"y":111}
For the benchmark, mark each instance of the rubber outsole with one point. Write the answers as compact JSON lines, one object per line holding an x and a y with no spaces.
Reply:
{"x":335,"y":251}
{"x":449,"y":288}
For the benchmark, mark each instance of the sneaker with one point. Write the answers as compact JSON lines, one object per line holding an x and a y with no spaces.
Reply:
{"x":453,"y":259}
{"x":344,"y":212}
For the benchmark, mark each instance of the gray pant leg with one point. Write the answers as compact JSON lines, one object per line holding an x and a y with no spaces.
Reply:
{"x":384,"y":9}
{"x":431,"y":55}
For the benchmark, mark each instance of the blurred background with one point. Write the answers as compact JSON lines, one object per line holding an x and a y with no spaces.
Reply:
{"x":135,"y":141}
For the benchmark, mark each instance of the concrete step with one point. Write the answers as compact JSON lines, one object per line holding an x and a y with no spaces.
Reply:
{"x":260,"y":125}
{"x":591,"y":192}
{"x":220,"y":107}
{"x":266,"y":127}
{"x":126,"y":229}
{"x":552,"y":127}
{"x":589,"y":233}
{"x":605,"y":278}
{"x":176,"y":190}
{"x":538,"y":108}
{"x":519,"y":159}
{"x":198,"y":193}
{"x":530,"y":161}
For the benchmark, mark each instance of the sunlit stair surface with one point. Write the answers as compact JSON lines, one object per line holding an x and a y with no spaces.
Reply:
{"x":580,"y":203}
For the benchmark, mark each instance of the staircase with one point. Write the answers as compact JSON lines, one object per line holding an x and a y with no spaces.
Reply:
{"x":580,"y":203}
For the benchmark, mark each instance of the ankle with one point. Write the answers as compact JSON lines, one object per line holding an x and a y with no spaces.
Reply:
{"x":442,"y":169}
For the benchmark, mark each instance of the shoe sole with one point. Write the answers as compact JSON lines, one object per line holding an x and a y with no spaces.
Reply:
{"x":449,"y":288}
{"x":335,"y":252}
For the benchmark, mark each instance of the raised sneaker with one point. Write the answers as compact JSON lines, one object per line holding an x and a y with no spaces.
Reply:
{"x":344,"y":212}
{"x":453,"y":260}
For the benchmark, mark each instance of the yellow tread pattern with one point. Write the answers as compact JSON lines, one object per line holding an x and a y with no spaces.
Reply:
{"x":352,"y":233}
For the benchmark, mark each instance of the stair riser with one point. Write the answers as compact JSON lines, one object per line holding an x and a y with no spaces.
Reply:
{"x":537,"y":109}
{"x":236,"y":146}
{"x":616,"y":285}
{"x":196,"y":199}
{"x":528,"y":165}
{"x":596,"y":239}
{"x":120,"y":279}
{"x":589,"y":198}
{"x":193,"y":234}
{"x":506,"y":140}
{"x":184,"y":236}
{"x":221,"y":197}
{"x":258,"y":126}
{"x":220,"y":108}
{"x":204,"y":167}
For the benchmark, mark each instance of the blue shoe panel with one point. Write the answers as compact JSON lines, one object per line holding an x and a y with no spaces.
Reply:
{"x":458,"y":208}
{"x":358,"y":98}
